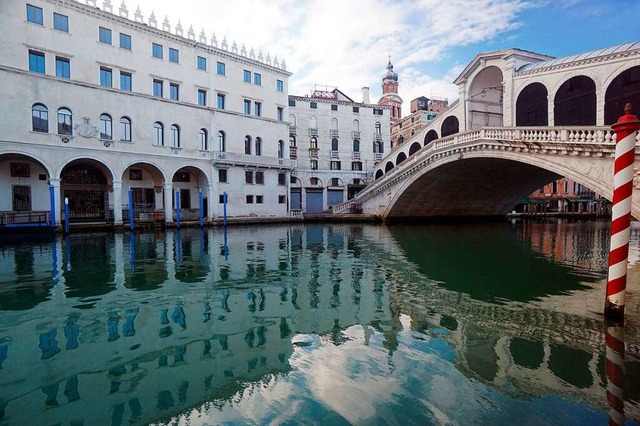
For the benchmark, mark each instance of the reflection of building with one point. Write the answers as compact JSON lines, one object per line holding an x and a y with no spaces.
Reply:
{"x":111,"y":101}
{"x":422,"y":111}
{"x":336,"y":142}
{"x":564,"y":196}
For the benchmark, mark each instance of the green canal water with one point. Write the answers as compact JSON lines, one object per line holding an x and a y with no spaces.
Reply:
{"x":337,"y":324}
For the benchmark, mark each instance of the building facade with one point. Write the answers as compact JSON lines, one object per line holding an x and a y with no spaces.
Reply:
{"x":336,"y":142}
{"x":102,"y":109}
{"x":422,"y":110}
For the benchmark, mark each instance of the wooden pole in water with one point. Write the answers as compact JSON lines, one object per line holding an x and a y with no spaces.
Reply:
{"x":626,"y":130}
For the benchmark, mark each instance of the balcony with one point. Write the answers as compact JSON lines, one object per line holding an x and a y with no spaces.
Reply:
{"x":377,"y":136}
{"x":334,"y":133}
{"x":313,"y":132}
{"x":313,"y":152}
{"x":292,"y":130}
{"x":377,"y":156}
{"x":355,"y":155}
{"x":355,"y":135}
{"x":293,"y":152}
{"x":234,"y":158}
{"x":335,"y":154}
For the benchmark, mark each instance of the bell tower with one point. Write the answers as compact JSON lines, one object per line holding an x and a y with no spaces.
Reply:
{"x":390,"y":93}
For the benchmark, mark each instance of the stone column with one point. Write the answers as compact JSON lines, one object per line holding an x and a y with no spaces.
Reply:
{"x":168,"y":202}
{"x":117,"y":202}
{"x":57,"y":199}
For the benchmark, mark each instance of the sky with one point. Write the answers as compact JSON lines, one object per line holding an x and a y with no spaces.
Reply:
{"x":347,"y":43}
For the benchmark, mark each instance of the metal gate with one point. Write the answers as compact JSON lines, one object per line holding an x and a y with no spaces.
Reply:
{"x":314,"y":201}
{"x":334,"y":196}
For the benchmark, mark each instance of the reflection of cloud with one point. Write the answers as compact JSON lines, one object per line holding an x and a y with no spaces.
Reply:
{"x":345,"y":43}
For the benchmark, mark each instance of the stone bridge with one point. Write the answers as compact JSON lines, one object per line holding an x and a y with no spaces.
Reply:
{"x":487,"y":171}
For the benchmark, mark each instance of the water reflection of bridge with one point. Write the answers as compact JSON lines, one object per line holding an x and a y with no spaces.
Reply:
{"x":186,"y":319}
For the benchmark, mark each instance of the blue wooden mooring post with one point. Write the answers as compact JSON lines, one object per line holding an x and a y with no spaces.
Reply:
{"x":224,"y":208}
{"x":200,"y":201}
{"x":52,"y":202}
{"x":66,"y":215}
{"x":178,"y":208}
{"x":131,"y":224}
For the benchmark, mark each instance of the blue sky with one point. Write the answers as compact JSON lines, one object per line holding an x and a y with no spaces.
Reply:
{"x":346,"y":43}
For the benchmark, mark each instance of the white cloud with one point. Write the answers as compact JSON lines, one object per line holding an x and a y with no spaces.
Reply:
{"x":346,"y":43}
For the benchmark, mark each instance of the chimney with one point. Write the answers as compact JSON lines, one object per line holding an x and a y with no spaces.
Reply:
{"x":365,"y":95}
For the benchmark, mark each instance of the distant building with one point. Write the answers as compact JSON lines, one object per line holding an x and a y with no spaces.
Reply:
{"x":336,"y":142}
{"x":423,"y":110}
{"x":564,"y":196}
{"x":390,"y":95}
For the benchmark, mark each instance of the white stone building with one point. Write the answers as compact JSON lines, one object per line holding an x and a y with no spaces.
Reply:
{"x":95,"y":101}
{"x":336,"y":142}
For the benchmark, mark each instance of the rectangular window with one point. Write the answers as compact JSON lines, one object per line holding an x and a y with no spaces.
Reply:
{"x":260,"y":178}
{"x":314,"y":164}
{"x":257,"y":79}
{"x":126,"y":81}
{"x":313,"y":105}
{"x":222,"y":176}
{"x":247,"y":76}
{"x":259,"y":199}
{"x":21,"y":198}
{"x":174,"y":55}
{"x":282,"y":199}
{"x":220,"y":68}
{"x":377,"y":111}
{"x":34,"y":14}
{"x":356,"y":109}
{"x":335,"y":165}
{"x":356,"y":166}
{"x":61,"y":22}
{"x":334,"y":107}
{"x":280,"y":114}
{"x":104,"y":35}
{"x":247,"y":106}
{"x":106,"y":77}
{"x":220,"y":101}
{"x":63,"y":67}
{"x":249,"y":199}
{"x":202,"y":97}
{"x":174,"y":91}
{"x":248,"y":176}
{"x":36,"y":61}
{"x":221,"y":199}
{"x":280,"y":85}
{"x":125,"y":41}
{"x":202,"y":63}
{"x":156,"y":50}
{"x":292,"y":102}
{"x":282,"y":179}
{"x":20,"y":170}
{"x":157,"y":88}
{"x":257,"y":109}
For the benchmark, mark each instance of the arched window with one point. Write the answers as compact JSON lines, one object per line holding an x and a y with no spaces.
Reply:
{"x":158,"y":134}
{"x":247,"y":145}
{"x":203,"y":138}
{"x":334,"y":124}
{"x":378,"y":148}
{"x":175,"y":136}
{"x":292,"y":141}
{"x":449,"y":126}
{"x":575,"y":102}
{"x":356,"y":126}
{"x":125,"y":129}
{"x":313,"y":122}
{"x":222,"y":141}
{"x":39,"y":118}
{"x":292,"y":120}
{"x":65,"y":122}
{"x":378,"y":128}
{"x":313,"y":143}
{"x":280,"y":149}
{"x":532,"y":106}
{"x":334,"y":144}
{"x":106,"y":127}
{"x":356,"y":145}
{"x":258,"y":146}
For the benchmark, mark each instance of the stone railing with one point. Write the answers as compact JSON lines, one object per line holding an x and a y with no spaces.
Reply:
{"x":223,"y":157}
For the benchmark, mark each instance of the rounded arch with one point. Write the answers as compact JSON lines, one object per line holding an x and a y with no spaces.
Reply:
{"x":379,"y":174}
{"x":292,"y":119}
{"x":295,"y":182}
{"x":335,"y":182}
{"x":106,"y":126}
{"x":624,"y":88}
{"x":175,"y":139}
{"x":86,"y":183}
{"x":450,"y":126}
{"x":400,"y":158}
{"x":430,"y":136}
{"x":203,"y":139}
{"x":39,"y":118}
{"x":26,"y":156}
{"x":532,"y":106}
{"x":247,"y":144}
{"x":222,"y":141}
{"x":194,"y":170}
{"x":152,"y":168}
{"x":258,"y":146}
{"x":65,"y":121}
{"x":415,"y":147}
{"x":104,"y":167}
{"x":575,"y":102}
{"x":125,"y":129}
{"x":485,"y":99}
{"x":388,"y":167}
{"x":314,"y":181}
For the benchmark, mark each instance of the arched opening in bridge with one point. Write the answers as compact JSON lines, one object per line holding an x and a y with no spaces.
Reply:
{"x":624,"y":88}
{"x":485,"y":99}
{"x":379,"y":174}
{"x":430,"y":136}
{"x":532,"y":106}
{"x":388,"y":167}
{"x":450,"y":126}
{"x":400,"y":158}
{"x":415,"y":147}
{"x":86,"y":184}
{"x":575,"y":102}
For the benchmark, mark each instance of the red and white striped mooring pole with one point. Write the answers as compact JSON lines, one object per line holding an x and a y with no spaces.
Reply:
{"x":614,"y":366}
{"x":625,"y":129}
